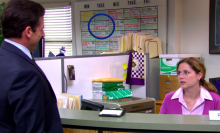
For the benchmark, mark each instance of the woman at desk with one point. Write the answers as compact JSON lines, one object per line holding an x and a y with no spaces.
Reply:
{"x":195,"y":96}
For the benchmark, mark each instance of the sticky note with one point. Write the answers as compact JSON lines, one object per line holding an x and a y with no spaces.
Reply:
{"x":124,"y":75}
{"x":125,"y":66}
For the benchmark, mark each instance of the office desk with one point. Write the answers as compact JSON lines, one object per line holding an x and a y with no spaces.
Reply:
{"x":137,"y":122}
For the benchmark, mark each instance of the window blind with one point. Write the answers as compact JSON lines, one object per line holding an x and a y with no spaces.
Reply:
{"x":58,"y":30}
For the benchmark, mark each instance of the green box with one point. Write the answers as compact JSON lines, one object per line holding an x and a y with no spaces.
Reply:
{"x":109,"y":89}
{"x":111,"y":95}
{"x":107,"y":85}
{"x":168,"y":62}
{"x":168,"y":66}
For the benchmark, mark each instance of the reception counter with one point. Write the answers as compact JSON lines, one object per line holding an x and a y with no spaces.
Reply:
{"x":137,"y":122}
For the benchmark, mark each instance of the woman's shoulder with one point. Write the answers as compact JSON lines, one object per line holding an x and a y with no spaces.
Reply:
{"x":170,"y":94}
{"x":214,"y":95}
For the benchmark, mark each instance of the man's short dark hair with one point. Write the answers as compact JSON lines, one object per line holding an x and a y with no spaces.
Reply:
{"x":18,"y":14}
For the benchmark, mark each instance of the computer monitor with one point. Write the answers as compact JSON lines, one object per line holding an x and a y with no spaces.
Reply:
{"x":39,"y":52}
{"x":89,"y":105}
{"x":216,"y":83}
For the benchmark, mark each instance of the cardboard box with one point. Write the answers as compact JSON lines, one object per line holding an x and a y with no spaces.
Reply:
{"x":167,"y":83}
{"x":168,"y":62}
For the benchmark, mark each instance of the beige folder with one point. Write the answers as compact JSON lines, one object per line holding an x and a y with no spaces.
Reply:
{"x":59,"y":103}
{"x":125,"y":44}
{"x":64,"y":100}
{"x":138,"y":41}
{"x":153,"y":47}
{"x":122,"y":48}
{"x":76,"y":103}
{"x":134,"y":41}
{"x":129,"y":41}
{"x":143,"y":39}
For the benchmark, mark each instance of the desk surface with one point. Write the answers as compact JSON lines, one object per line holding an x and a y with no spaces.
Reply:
{"x":139,"y":121}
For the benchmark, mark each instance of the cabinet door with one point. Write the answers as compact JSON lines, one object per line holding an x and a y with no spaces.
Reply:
{"x":70,"y":130}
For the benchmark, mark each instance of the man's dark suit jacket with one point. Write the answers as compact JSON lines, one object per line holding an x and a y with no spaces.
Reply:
{"x":27,"y":101}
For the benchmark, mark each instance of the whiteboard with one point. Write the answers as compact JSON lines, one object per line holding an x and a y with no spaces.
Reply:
{"x":132,"y":20}
{"x":53,"y":71}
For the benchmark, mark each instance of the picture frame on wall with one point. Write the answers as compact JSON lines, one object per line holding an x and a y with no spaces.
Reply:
{"x":214,"y":27}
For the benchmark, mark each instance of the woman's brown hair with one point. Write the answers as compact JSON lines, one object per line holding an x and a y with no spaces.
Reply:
{"x":198,"y":66}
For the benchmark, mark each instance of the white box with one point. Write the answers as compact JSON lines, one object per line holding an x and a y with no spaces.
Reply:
{"x":168,"y":62}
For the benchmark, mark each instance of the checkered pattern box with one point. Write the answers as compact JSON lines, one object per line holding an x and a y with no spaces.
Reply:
{"x":168,"y":62}
{"x":138,"y":65}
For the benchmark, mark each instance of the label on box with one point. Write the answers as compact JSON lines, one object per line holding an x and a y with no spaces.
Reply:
{"x":168,"y":66}
{"x":98,"y":94}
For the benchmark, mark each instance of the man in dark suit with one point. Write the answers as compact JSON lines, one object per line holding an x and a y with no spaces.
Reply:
{"x":27,"y":101}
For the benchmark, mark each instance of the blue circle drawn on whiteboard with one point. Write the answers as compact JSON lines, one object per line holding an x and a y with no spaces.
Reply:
{"x":100,"y":15}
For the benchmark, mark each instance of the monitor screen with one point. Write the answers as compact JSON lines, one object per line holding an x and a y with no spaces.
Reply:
{"x":89,"y":105}
{"x":214,"y":27}
{"x":39,"y":52}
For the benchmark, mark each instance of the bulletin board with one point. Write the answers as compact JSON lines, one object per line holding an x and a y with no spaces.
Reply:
{"x":147,"y":16}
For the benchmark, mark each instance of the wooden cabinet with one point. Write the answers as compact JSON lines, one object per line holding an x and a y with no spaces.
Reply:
{"x":70,"y":130}
{"x":158,"y":106}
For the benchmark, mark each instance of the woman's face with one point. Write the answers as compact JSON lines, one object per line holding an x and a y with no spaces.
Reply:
{"x":187,"y":76}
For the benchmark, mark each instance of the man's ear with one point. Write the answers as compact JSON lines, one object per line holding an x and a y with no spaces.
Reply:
{"x":28,"y":31}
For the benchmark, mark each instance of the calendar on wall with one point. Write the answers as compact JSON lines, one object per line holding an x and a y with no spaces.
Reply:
{"x":146,"y":16}
{"x":140,"y":19}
